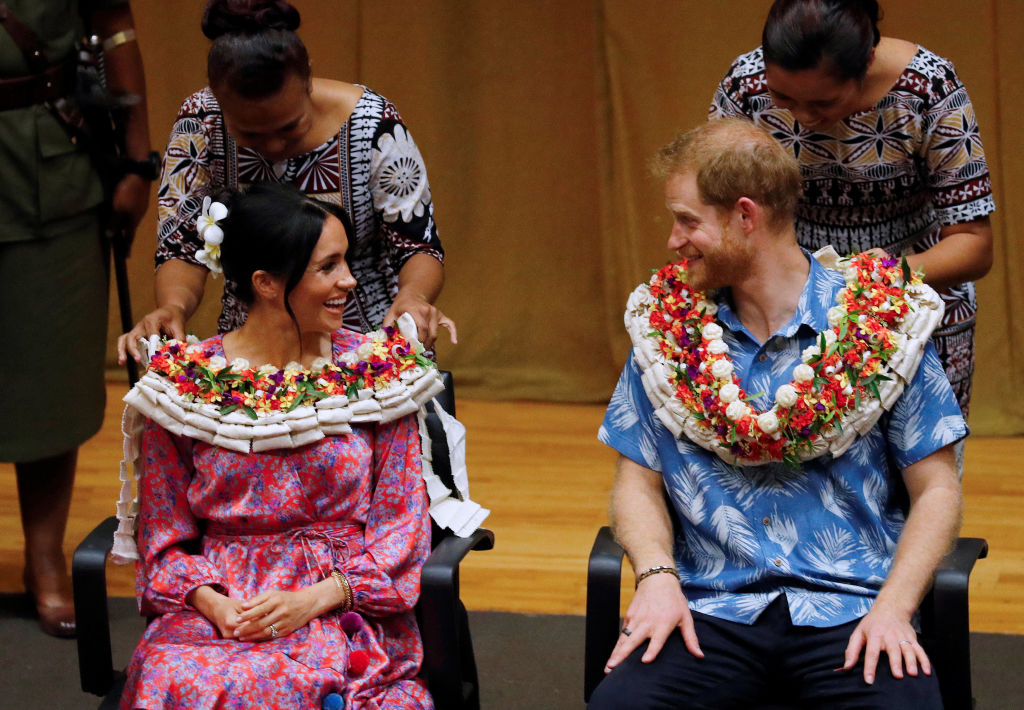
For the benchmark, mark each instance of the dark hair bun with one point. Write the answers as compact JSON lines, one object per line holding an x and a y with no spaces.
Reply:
{"x":248,"y":17}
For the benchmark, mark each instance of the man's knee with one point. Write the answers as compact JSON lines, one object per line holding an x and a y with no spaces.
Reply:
{"x":623,"y":690}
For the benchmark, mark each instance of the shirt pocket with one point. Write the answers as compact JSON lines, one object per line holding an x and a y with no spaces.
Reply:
{"x":67,"y":182}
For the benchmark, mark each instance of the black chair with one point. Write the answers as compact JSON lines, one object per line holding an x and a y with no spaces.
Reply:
{"x":945,"y":631}
{"x":449,"y":666}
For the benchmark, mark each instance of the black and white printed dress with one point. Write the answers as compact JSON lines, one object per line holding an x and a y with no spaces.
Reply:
{"x":371,"y":167}
{"x":890,"y":177}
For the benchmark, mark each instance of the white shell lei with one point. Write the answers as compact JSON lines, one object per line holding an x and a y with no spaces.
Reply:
{"x":155,"y":398}
{"x":915,"y":328}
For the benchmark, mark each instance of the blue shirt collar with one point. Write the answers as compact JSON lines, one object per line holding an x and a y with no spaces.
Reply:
{"x":811,"y":310}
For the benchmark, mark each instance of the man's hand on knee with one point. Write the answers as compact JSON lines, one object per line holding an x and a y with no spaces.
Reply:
{"x":884,"y":629}
{"x":657,"y":610}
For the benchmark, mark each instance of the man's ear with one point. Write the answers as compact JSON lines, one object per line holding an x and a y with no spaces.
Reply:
{"x":749,"y":213}
{"x":266,"y":285}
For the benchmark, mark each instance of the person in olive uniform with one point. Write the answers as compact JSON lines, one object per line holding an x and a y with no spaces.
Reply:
{"x":53,"y":282}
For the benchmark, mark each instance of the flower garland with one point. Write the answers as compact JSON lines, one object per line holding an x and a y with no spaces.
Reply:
{"x":190,"y":391}
{"x":201,"y":376}
{"x":856,"y":369}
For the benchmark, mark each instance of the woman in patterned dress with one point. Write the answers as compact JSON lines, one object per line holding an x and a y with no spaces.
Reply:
{"x":247,"y":560}
{"x":263,"y":118}
{"x":888,"y":145}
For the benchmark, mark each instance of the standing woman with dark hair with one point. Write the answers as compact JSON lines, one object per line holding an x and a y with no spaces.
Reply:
{"x":262,"y":118}
{"x":281,"y":530}
{"x":888,"y":145}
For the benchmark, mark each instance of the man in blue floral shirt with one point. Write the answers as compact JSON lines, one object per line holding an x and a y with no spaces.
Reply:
{"x":806,"y":574}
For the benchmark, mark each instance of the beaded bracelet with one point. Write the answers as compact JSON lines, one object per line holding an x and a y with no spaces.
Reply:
{"x":656,"y":570}
{"x":346,"y":589}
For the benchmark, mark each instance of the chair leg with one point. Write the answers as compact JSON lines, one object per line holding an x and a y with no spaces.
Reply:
{"x":604,"y":575}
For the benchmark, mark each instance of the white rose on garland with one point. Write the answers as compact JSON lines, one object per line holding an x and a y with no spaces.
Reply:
{"x":721,"y":369}
{"x":737,"y":410}
{"x":729,"y":393}
{"x":768,"y":422}
{"x":786,"y":396}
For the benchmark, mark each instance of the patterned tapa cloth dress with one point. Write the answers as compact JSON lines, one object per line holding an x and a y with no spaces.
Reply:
{"x":247,"y":523}
{"x":371,"y":167}
{"x":890,"y":176}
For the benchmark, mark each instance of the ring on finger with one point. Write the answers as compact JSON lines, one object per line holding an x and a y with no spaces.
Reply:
{"x":904,"y":642}
{"x":626,"y":632}
{"x":273,"y":631}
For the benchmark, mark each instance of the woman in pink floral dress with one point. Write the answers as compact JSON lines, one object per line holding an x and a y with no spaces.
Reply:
{"x":278,"y":575}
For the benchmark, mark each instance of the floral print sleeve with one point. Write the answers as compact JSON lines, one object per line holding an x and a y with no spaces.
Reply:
{"x":193,"y":161}
{"x":385,"y":577}
{"x":166,"y":571}
{"x":401,"y":192}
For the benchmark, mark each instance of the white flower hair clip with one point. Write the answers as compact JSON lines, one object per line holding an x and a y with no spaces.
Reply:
{"x":211,"y":234}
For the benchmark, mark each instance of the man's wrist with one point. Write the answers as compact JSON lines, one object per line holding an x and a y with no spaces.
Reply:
{"x":656,"y":569}
{"x":889,"y":602}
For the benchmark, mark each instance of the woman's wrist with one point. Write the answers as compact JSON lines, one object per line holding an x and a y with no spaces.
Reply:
{"x":344,"y":591}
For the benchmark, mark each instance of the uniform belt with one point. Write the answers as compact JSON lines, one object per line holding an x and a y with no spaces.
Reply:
{"x":25,"y":91}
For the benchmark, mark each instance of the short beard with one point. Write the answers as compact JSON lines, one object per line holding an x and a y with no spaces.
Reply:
{"x":728,"y":263}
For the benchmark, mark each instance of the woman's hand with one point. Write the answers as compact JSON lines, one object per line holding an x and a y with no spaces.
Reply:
{"x":427,"y":316}
{"x":179,"y":289}
{"x":169,"y":320}
{"x":222,"y":611}
{"x":286,"y":611}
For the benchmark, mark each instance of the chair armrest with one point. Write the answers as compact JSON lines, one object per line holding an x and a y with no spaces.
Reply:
{"x":604,"y":578}
{"x":945,"y":621}
{"x":446,"y":398}
{"x":89,"y":579}
{"x":447,"y":657}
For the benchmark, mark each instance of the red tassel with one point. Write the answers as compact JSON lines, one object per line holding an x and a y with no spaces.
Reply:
{"x":357,"y":662}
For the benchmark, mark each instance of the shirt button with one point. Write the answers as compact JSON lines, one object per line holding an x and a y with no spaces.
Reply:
{"x":767,"y":521}
{"x":763,"y":357}
{"x":778,"y":562}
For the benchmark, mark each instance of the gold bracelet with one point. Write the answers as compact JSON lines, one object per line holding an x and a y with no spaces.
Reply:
{"x":346,"y":589}
{"x":656,"y":570}
{"x":118,"y":38}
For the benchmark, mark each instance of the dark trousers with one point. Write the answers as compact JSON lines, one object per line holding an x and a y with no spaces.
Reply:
{"x":767,"y":662}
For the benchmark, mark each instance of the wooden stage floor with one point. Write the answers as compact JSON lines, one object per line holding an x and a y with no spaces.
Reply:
{"x":546,"y":479}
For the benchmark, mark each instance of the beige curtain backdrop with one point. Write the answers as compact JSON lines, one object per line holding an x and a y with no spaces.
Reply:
{"x":535,"y":120}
